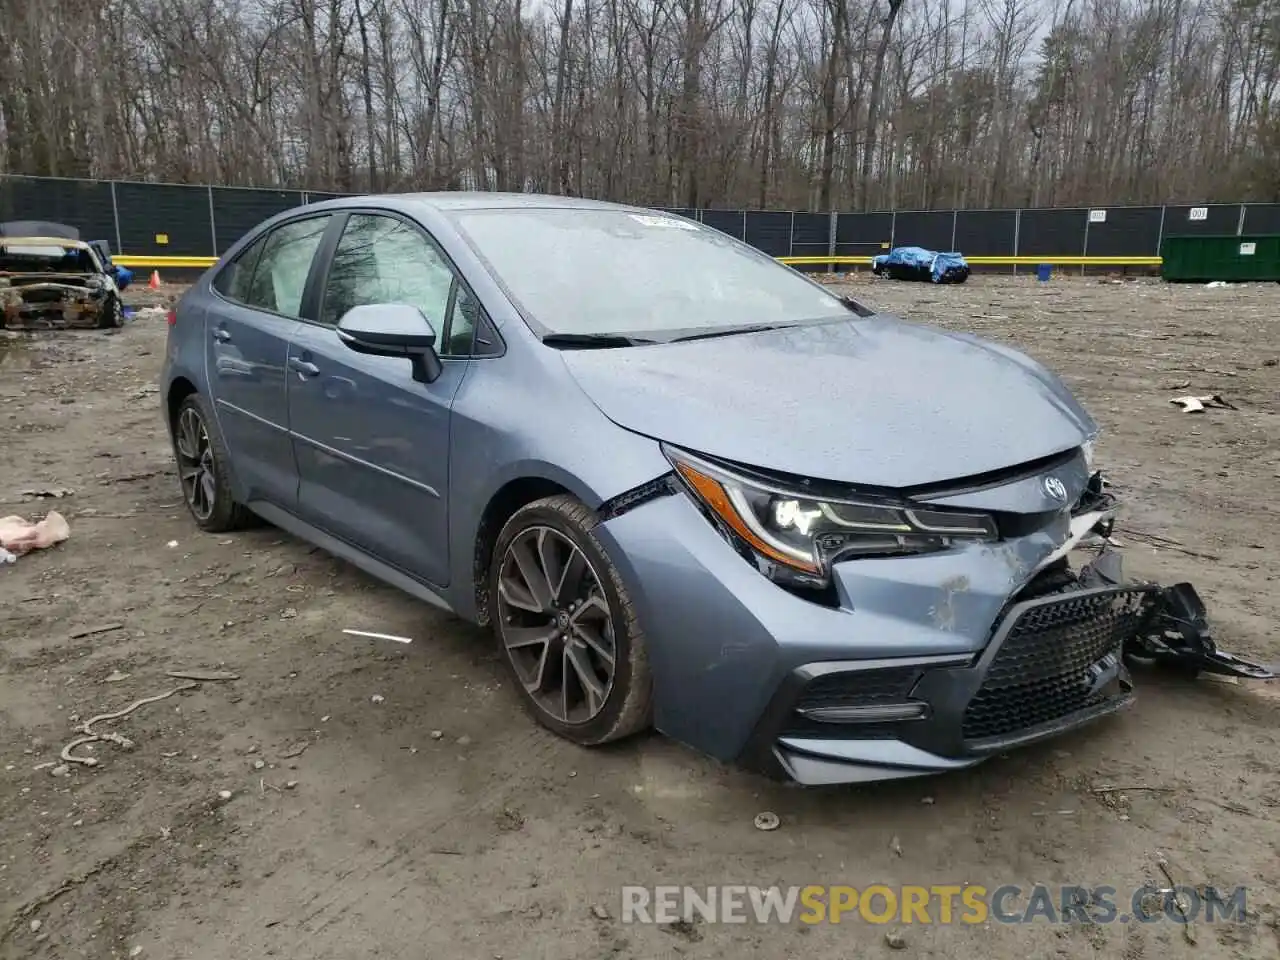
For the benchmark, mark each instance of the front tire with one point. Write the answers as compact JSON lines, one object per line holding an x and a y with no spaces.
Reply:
{"x":566,"y":628}
{"x":204,"y":469}
{"x":112,"y":315}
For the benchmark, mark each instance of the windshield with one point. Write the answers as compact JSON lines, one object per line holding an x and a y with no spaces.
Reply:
{"x":600,"y":272}
{"x":17,"y":258}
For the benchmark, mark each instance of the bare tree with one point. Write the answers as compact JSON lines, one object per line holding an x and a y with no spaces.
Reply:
{"x":830,"y":104}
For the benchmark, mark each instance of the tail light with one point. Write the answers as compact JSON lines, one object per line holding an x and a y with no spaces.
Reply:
{"x":171,"y":318}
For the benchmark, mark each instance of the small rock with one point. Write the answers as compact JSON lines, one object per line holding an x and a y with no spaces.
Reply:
{"x":291,"y":785}
{"x":895,"y":940}
{"x":895,"y":846}
{"x":172,"y":543}
{"x":599,"y":912}
{"x":464,"y":741}
{"x":252,"y":749}
{"x":36,"y":925}
{"x":136,"y":952}
{"x":928,"y":801}
{"x":224,"y":794}
{"x":259,"y":764}
{"x":325,"y":718}
{"x":377,"y":698}
{"x":294,"y":750}
{"x":115,"y":677}
{"x":437,"y":734}
{"x":61,"y":770}
{"x":288,"y":613}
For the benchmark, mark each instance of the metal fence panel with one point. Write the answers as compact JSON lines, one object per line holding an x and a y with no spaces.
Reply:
{"x":1205,"y":220}
{"x":312,"y":196}
{"x":1126,"y":232}
{"x":83,"y":204}
{"x":726,"y":221}
{"x":1048,"y":233}
{"x":930,"y":229}
{"x":810,"y":234}
{"x":769,"y":231}
{"x":986,"y":233}
{"x":863,"y":234}
{"x":237,"y":211}
{"x":1262,"y":218}
{"x":149,"y":211}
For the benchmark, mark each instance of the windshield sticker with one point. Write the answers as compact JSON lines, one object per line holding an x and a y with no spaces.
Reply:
{"x":662,"y":222}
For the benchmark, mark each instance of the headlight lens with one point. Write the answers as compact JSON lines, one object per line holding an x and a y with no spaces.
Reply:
{"x":796,"y":538}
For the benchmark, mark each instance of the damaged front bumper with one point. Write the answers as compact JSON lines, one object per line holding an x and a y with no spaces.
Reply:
{"x":34,"y":302}
{"x":925,"y":664}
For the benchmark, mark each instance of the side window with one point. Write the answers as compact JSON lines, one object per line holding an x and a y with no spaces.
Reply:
{"x":463,"y":321}
{"x":281,"y":274}
{"x":233,"y":280}
{"x":385,"y":260}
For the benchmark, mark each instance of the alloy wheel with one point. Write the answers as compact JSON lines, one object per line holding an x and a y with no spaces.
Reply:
{"x":195,"y":463}
{"x":556,"y":624}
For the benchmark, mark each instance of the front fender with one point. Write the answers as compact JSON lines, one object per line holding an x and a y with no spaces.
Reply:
{"x":507,"y":428}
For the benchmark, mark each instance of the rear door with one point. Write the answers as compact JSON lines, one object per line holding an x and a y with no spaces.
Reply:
{"x":258,"y":298}
{"x":372,"y":444}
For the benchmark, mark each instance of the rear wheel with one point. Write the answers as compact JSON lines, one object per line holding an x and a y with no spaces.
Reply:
{"x":566,"y":628}
{"x":203,"y":469}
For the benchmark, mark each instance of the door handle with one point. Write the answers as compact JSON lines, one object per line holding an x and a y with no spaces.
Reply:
{"x":305,"y":368}
{"x":221,"y":336}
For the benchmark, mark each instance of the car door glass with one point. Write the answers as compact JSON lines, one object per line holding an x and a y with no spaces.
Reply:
{"x":462,"y":324}
{"x":281,"y":274}
{"x":385,"y":260}
{"x":234,"y":279}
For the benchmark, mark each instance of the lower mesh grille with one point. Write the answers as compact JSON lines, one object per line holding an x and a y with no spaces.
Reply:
{"x":857,"y":688}
{"x":1047,"y":668}
{"x":854,"y":688}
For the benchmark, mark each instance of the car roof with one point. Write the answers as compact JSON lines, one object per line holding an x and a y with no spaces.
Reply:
{"x":456,"y":200}
{"x":7,"y":241}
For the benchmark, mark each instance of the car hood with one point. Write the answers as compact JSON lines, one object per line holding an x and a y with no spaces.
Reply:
{"x":875,"y":401}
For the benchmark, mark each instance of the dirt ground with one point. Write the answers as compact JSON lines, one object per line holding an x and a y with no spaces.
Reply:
{"x":393,"y":801}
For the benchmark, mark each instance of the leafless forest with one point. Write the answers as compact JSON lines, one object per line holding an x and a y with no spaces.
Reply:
{"x":770,"y":103}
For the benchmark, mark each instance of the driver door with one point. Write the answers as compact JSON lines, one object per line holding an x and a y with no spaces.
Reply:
{"x":372,"y":444}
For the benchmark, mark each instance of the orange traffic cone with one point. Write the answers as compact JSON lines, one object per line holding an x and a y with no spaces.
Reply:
{"x":155,"y":280}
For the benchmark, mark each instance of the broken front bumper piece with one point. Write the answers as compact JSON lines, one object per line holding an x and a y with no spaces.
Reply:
{"x":1058,"y":658}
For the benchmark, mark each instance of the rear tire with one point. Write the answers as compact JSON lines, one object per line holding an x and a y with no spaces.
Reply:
{"x":565,"y":626}
{"x":204,"y":469}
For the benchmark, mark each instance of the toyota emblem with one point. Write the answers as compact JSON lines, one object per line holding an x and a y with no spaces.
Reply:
{"x":1056,"y":489}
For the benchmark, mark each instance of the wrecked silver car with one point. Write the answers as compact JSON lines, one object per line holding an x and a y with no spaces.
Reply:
{"x":50,"y":278}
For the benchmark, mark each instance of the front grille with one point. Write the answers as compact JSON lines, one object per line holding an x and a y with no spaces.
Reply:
{"x":1041,"y":672}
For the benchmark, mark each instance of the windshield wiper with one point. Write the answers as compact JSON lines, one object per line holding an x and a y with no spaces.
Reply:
{"x":729,"y":332}
{"x":593,"y":341}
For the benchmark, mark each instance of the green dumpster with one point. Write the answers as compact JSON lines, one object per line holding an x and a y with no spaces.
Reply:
{"x":1232,"y":258}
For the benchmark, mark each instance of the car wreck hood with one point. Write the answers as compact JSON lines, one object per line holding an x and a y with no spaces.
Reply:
{"x":876,"y":401}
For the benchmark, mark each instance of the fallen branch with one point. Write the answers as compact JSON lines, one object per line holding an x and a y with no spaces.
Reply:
{"x":210,"y":675}
{"x":93,"y":631}
{"x":90,"y":737}
{"x":1132,"y":789}
{"x":1187,"y":932}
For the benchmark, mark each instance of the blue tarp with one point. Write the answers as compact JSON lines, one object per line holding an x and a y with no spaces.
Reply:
{"x":917,"y":263}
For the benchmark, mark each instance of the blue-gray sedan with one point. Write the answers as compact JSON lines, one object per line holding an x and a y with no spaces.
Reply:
{"x":686,"y":486}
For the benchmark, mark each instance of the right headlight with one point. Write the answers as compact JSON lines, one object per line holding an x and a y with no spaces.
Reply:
{"x":796,"y":536}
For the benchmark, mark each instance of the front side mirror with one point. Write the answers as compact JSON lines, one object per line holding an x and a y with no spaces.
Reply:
{"x":393,"y":330}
